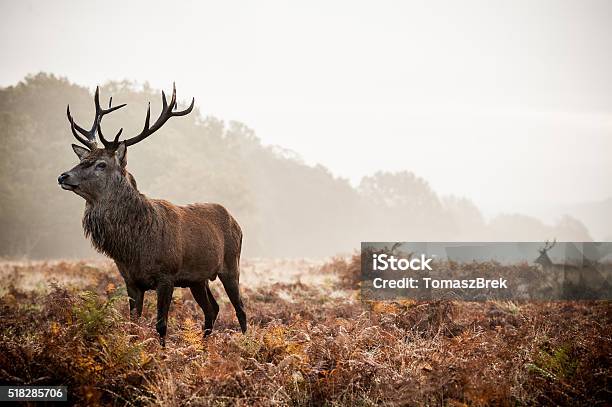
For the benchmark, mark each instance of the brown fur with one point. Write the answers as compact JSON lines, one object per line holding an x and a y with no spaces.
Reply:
{"x":156,"y":244}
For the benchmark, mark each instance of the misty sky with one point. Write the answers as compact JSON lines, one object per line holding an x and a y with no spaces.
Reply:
{"x":506,"y":102}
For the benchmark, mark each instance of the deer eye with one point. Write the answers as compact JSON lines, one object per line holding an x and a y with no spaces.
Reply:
{"x":100,"y":166}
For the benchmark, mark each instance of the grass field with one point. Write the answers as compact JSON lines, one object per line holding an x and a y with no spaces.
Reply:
{"x":311,"y":341}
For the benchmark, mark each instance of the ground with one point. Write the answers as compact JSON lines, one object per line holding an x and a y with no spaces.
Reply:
{"x":311,"y":341}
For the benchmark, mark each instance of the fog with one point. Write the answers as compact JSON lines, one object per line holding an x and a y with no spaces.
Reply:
{"x":506,"y":103}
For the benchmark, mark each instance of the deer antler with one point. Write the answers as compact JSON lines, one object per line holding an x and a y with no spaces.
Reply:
{"x":165,"y":114}
{"x":88,"y":137}
{"x":548,"y":246}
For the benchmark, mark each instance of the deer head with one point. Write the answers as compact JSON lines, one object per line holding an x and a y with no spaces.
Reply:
{"x":100,"y":168}
{"x":543,"y":258}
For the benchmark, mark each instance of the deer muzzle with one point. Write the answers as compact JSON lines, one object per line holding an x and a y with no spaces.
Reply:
{"x":63,"y":179}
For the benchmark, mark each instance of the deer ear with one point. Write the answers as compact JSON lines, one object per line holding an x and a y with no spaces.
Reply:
{"x":81,"y":152}
{"x":121,"y":154}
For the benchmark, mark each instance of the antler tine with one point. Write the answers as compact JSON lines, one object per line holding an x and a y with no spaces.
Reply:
{"x":186,"y":111}
{"x":148,"y":117}
{"x":166,"y":113}
{"x":91,"y":144}
{"x":90,"y":135}
{"x":116,"y":140}
{"x":100,"y":113}
{"x":548,"y":245}
{"x":109,"y":144}
{"x":180,"y":112}
{"x":81,"y":130}
{"x":173,"y":100}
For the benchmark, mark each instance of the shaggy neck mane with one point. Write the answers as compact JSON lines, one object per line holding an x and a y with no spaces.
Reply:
{"x":118,"y":223}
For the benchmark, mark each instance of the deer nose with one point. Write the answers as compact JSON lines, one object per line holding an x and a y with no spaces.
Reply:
{"x":62,"y":178}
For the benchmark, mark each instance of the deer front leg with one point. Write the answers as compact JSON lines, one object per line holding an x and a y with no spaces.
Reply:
{"x":164,"y":298}
{"x":136,"y":298}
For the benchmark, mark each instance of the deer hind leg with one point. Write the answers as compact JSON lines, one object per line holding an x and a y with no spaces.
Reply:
{"x":136,"y":298}
{"x":206,"y":301}
{"x":230,"y":280}
{"x":164,"y":298}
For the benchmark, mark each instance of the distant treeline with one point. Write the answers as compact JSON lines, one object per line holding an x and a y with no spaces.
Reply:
{"x":286,"y":208}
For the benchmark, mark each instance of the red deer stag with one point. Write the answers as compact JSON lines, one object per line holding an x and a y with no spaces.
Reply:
{"x":570,"y":281}
{"x":155,"y":244}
